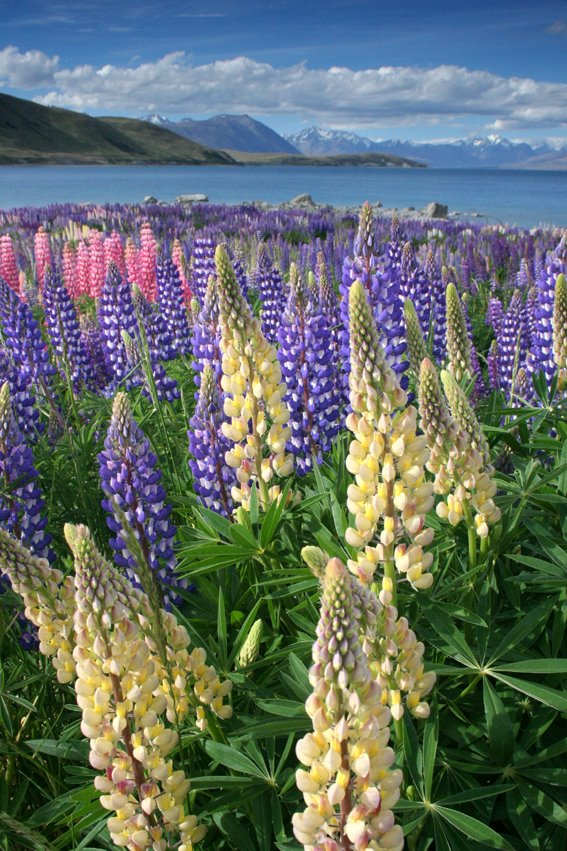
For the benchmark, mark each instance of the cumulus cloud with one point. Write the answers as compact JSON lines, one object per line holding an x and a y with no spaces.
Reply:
{"x":30,"y":70}
{"x":337,"y":96}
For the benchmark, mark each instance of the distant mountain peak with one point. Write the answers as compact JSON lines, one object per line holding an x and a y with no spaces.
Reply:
{"x":491,"y":151}
{"x":229,"y":132}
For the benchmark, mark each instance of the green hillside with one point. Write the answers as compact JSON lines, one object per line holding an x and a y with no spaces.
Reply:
{"x":30,"y":133}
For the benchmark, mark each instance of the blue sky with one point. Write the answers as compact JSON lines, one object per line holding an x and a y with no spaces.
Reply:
{"x":407,"y":68}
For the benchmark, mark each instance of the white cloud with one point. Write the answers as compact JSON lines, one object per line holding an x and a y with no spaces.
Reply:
{"x":28,"y":70}
{"x":338,"y":97}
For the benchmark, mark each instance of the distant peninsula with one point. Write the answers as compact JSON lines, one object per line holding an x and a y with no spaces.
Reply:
{"x":31,"y":134}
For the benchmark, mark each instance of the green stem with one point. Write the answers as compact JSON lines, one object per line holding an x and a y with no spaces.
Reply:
{"x":472,"y":536}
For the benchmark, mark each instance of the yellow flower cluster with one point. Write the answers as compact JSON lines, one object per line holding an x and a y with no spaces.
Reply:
{"x":349,"y":786}
{"x":560,"y":330}
{"x":387,"y":458}
{"x":252,"y":382}
{"x":48,"y":599}
{"x":125,"y":708}
{"x":459,"y":456}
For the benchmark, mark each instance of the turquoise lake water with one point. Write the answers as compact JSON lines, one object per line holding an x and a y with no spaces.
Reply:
{"x":522,"y":198}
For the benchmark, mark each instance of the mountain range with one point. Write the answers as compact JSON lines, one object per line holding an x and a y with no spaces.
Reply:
{"x":477,"y":152}
{"x":229,"y":132}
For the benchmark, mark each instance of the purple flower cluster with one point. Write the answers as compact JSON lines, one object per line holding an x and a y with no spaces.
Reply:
{"x":172,"y":305}
{"x":212,"y":477}
{"x":135,"y":504}
{"x":268,"y":283}
{"x":65,"y":333}
{"x":313,"y":386}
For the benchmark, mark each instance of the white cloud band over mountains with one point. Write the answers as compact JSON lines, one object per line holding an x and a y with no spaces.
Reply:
{"x":341,"y":97}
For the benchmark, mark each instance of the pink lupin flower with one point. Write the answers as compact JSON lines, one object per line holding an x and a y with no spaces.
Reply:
{"x":131,"y":260}
{"x":97,"y":267}
{"x":69,"y":269}
{"x":114,"y":252}
{"x":42,"y":254}
{"x":83,"y":265}
{"x":147,"y":258}
{"x":8,"y":265}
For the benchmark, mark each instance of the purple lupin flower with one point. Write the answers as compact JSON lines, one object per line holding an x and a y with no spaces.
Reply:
{"x":206,"y":334}
{"x":202,"y":266}
{"x":22,"y":338}
{"x":511,"y":344}
{"x":135,"y":504}
{"x":117,"y":315}
{"x":268,"y":283}
{"x":153,"y":342}
{"x":172,"y":305}
{"x":542,"y":339}
{"x":313,"y":392}
{"x":212,"y":477}
{"x":22,"y":505}
{"x":492,"y":361}
{"x":382,"y":285}
{"x":23,"y":397}
{"x":438,"y":320}
{"x":65,"y":334}
{"x":414,"y":284}
{"x":494,"y":314}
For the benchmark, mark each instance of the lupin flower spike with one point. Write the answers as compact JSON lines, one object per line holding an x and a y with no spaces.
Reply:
{"x":560,"y":330}
{"x":48,"y":601}
{"x":349,"y":786}
{"x":414,"y":336}
{"x":388,"y":459}
{"x":123,"y":701}
{"x":470,"y":470}
{"x":212,"y":477}
{"x":136,"y":507}
{"x":254,"y":394}
{"x":458,"y":343}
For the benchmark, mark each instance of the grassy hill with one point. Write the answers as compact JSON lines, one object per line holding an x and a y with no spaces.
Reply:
{"x":363,"y":160}
{"x":30,"y":133}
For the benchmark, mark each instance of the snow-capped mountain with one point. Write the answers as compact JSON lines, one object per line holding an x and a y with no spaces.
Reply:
{"x":479,"y":152}
{"x":234,"y":132}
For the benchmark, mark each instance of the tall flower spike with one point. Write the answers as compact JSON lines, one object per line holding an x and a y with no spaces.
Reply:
{"x":387,"y":458}
{"x":458,"y":343}
{"x":48,"y":601}
{"x":414,"y":336}
{"x":349,"y":786}
{"x":22,"y":506}
{"x":124,"y":702}
{"x":172,"y":304}
{"x":560,"y":330}
{"x":212,"y":477}
{"x":462,"y":477}
{"x":135,"y":505}
{"x":269,"y":285}
{"x":252,"y":381}
{"x":471,"y":472}
{"x":313,"y":392}
{"x":65,"y":333}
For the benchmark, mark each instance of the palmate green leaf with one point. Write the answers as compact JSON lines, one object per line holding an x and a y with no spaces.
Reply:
{"x":520,"y":815}
{"x":525,"y":625}
{"x":198,"y":559}
{"x":235,"y":831}
{"x":544,"y":694}
{"x":543,"y":804}
{"x":499,"y":725}
{"x":473,"y":828}
{"x":534,"y":666}
{"x":449,"y":638}
{"x":234,"y":759}
{"x":430,"y":739}
{"x":280,"y":706}
{"x":273,"y":516}
{"x":477,"y":794}
{"x":538,"y":564}
{"x":75,"y":751}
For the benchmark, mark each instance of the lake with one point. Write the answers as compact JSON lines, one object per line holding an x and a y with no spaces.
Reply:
{"x":522,"y":198}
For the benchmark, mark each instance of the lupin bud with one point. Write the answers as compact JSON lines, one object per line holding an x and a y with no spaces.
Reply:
{"x":458,"y":343}
{"x":414,"y":335}
{"x":251,"y":648}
